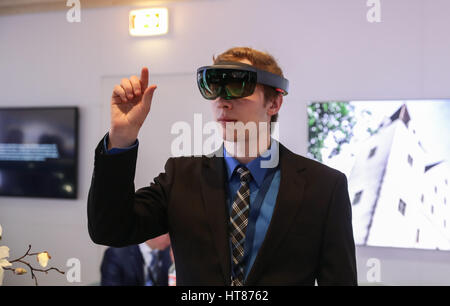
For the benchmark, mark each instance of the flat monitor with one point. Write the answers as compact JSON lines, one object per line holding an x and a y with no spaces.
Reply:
{"x":38,"y":152}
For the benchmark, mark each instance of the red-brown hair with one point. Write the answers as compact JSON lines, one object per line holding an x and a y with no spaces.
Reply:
{"x":258,"y":59}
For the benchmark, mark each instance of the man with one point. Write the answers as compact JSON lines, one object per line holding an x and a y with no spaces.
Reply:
{"x":232,"y":221}
{"x":146,"y":264}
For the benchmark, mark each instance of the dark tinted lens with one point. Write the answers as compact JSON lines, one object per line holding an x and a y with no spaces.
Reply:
{"x":208,"y":89}
{"x":226,"y":83}
{"x":236,"y":82}
{"x":234,"y":89}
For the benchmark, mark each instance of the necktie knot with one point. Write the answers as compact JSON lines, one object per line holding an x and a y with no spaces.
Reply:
{"x":244,"y":173}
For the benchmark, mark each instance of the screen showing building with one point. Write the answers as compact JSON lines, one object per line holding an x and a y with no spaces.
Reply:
{"x":395,"y":155}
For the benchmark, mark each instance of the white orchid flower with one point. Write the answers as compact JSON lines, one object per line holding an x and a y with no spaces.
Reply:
{"x":43,"y":258}
{"x":4,"y":252}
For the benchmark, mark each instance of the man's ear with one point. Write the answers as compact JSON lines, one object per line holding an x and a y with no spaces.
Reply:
{"x":275,"y":105}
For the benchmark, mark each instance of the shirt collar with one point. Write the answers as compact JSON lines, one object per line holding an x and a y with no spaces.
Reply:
{"x":146,"y":252}
{"x":258,"y":173}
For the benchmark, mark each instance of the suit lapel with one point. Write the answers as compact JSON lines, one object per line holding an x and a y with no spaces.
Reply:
{"x":138,"y":264}
{"x":287,"y":204}
{"x":214,"y":200}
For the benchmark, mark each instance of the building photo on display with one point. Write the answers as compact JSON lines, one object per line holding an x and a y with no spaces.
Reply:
{"x":395,"y":155}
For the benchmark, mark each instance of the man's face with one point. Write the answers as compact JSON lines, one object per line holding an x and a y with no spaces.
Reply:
{"x":248,"y":109}
{"x":159,"y":243}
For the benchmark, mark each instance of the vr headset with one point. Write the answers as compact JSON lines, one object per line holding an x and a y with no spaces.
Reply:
{"x":234,"y":80}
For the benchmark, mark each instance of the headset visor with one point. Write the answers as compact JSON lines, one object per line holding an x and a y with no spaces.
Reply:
{"x":233,"y":80}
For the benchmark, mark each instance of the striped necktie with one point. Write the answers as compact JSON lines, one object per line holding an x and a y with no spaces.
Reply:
{"x":238,"y":225}
{"x":152,"y":269}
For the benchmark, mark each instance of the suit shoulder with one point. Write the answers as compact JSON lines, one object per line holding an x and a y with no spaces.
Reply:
{"x":122,"y":251}
{"x":314,"y":166}
{"x":185,"y":161}
{"x":182,"y":165}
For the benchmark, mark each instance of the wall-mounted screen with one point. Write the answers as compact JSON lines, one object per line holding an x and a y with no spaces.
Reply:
{"x":38,"y":152}
{"x":396,"y":156}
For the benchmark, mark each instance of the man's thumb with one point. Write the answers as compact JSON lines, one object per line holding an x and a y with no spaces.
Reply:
{"x":148,"y":96}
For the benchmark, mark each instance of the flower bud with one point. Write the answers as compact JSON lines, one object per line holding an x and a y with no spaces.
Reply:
{"x":20,"y":271}
{"x":43,"y":258}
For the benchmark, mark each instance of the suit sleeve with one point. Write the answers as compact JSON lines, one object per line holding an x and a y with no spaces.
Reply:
{"x":117,"y":214}
{"x":111,"y":269}
{"x":337,"y":263}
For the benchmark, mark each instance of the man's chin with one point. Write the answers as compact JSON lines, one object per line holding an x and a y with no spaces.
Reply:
{"x":232,"y":138}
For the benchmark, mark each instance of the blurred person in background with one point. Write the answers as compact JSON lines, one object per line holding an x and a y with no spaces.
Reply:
{"x":172,"y":271}
{"x":146,"y":264}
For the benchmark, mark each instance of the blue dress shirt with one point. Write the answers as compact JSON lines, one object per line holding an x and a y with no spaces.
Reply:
{"x":116,"y":150}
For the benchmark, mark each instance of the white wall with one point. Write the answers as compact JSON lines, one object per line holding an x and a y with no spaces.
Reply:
{"x":327,"y":50}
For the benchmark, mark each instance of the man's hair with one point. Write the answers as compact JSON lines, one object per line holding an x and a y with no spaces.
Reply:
{"x":260,"y":60}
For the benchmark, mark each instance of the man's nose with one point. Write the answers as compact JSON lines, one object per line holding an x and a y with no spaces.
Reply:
{"x":224,"y":103}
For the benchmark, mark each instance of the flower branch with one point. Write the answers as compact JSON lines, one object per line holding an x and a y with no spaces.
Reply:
{"x":42,"y":258}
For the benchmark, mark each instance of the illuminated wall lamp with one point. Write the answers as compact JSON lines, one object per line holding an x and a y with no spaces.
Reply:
{"x":149,"y":22}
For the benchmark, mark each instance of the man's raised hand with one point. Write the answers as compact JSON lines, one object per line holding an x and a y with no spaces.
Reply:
{"x":130,"y":105}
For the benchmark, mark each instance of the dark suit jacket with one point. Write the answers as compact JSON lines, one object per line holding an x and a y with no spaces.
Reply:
{"x":310,"y":235}
{"x":125,"y":267}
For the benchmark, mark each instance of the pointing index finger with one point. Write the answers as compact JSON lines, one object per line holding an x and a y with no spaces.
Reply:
{"x":144,"y":78}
